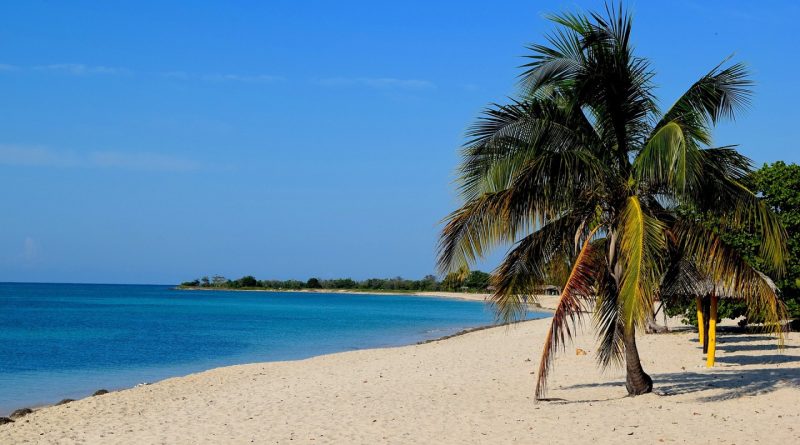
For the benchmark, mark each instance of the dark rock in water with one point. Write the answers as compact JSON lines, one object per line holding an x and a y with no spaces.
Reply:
{"x":100,"y":392}
{"x":20,"y":412}
{"x":4,"y":420}
{"x":64,"y":401}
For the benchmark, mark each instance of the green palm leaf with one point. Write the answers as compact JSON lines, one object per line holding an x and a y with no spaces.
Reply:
{"x":729,"y":274}
{"x":641,"y":249}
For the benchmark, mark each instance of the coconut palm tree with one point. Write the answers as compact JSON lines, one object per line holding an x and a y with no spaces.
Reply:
{"x":582,"y":176}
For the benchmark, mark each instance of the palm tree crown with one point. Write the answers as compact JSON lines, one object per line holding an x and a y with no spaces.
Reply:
{"x":584,"y":176}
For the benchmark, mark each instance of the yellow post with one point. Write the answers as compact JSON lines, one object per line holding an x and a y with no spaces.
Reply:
{"x":700,"y":325}
{"x":712,"y":332}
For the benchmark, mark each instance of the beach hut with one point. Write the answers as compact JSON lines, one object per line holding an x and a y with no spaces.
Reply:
{"x":549,"y":289}
{"x":685,"y":282}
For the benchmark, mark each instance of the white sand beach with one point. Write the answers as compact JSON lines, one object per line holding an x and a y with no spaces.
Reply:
{"x":475,"y":388}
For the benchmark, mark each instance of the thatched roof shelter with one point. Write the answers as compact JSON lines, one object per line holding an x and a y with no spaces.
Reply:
{"x":683,"y":281}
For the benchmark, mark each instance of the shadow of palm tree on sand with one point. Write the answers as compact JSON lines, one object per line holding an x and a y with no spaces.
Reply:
{"x":729,"y":381}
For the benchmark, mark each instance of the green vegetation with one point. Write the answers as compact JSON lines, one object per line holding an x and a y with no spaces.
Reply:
{"x":596,"y":189}
{"x":476,"y":281}
{"x":778,"y":186}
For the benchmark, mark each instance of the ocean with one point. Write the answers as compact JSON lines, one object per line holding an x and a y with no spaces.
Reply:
{"x":68,"y":340}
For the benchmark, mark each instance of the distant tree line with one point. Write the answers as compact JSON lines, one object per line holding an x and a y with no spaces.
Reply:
{"x":475,"y":281}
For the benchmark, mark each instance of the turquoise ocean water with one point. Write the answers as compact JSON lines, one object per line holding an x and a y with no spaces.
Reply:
{"x":68,"y":340}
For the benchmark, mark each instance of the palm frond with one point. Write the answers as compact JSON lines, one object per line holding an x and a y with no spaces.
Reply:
{"x":728,"y":162}
{"x":668,"y":161}
{"x":578,"y":287}
{"x":475,"y":228}
{"x":729,"y":274}
{"x":682,"y":280}
{"x":721,"y":93}
{"x":551,"y":66}
{"x":721,"y":192}
{"x":591,"y":62}
{"x":546,"y":187}
{"x":607,"y":320}
{"x":641,"y":249}
{"x":532,"y":262}
{"x":507,"y":137}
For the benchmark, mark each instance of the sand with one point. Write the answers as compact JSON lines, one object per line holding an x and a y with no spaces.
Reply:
{"x":471,"y":389}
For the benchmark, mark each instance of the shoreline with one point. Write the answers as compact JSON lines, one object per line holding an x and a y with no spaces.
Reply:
{"x":548,"y":308}
{"x":481,"y":381}
{"x":538,"y":307}
{"x":466,"y":331}
{"x":114,"y":389}
{"x":443,"y":294}
{"x":545,"y":303}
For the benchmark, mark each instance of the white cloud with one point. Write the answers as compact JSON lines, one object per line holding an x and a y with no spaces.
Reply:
{"x":79,"y":69}
{"x":180,"y":75}
{"x":258,"y":78}
{"x":141,"y":161}
{"x":37,"y":156}
{"x":244,"y":78}
{"x":378,"y":83}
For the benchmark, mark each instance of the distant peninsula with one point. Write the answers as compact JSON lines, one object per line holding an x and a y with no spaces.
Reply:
{"x":475,"y":282}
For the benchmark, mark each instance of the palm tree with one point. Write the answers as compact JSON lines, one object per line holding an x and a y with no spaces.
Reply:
{"x":586,"y":179}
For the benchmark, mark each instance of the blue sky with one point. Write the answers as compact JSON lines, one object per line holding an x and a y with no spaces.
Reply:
{"x":149,"y":143}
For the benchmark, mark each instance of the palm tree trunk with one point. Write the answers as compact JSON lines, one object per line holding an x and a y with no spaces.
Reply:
{"x":653,"y":327}
{"x":637,"y":381}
